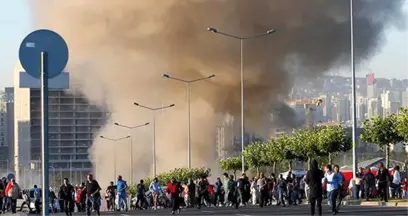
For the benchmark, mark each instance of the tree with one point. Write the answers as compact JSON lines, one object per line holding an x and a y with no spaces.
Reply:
{"x":382,"y":132}
{"x":281,"y":149}
{"x":231,"y":164}
{"x":254,"y":155}
{"x":402,"y":124}
{"x":333,"y":140}
{"x":304,"y":145}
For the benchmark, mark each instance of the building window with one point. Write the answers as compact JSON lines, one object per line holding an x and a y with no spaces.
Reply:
{"x":81,"y":157}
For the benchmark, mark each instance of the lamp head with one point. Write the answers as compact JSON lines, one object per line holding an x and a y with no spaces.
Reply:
{"x":101,"y":137}
{"x":209,"y":77}
{"x":116,"y":123}
{"x":136,"y":104}
{"x":147,"y":123}
{"x":171,"y":105}
{"x":165,"y":76}
{"x":213,"y":30}
{"x":270,"y":31}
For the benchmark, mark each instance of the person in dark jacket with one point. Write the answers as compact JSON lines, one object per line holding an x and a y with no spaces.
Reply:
{"x":383,"y":177}
{"x":243,"y":187}
{"x":140,"y":194}
{"x":192,"y":192}
{"x":66,"y":193}
{"x":202,"y":192}
{"x":369,"y":183}
{"x":314,"y":180}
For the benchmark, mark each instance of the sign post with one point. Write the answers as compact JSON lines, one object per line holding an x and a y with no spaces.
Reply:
{"x":44,"y":55}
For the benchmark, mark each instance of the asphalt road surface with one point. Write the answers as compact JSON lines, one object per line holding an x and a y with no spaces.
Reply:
{"x":272,"y":210}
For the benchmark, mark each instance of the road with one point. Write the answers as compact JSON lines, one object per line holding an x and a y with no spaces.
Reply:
{"x":273,"y":210}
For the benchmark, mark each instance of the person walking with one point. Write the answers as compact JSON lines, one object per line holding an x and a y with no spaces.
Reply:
{"x":219,"y":192}
{"x":191,"y":193}
{"x":174,"y":189}
{"x":263,"y":190}
{"x":332,"y":181}
{"x":155,"y":189}
{"x":110,"y":196}
{"x":6,"y":199}
{"x":383,"y":177}
{"x":203,"y":195}
{"x":226,"y":191}
{"x":282,"y":188}
{"x":121,"y":187}
{"x":93,"y":196}
{"x":67,"y":195}
{"x":140,"y":194}
{"x":37,"y":199}
{"x":369,"y":183}
{"x":313,"y":179}
{"x":396,"y":183}
{"x":14,"y":194}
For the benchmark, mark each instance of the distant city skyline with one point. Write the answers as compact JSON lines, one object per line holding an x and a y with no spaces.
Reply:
{"x":15,"y":19}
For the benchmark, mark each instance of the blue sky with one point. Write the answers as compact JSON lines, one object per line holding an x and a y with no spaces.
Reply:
{"x":391,"y":62}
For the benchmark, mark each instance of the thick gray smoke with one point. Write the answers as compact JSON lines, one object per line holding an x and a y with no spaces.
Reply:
{"x":119,"y":49}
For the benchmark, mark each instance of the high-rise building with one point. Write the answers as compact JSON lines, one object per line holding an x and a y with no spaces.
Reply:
{"x":225,"y":136}
{"x":390,"y":102}
{"x":4,"y":162}
{"x":326,"y":107}
{"x":8,"y":103}
{"x":73,"y":123}
{"x":404,"y":98}
{"x":344,"y":109}
{"x":371,"y":86}
{"x":374,"y":107}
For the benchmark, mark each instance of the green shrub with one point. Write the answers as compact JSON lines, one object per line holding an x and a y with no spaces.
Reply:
{"x":181,"y":175}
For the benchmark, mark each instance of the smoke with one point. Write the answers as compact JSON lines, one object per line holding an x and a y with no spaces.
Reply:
{"x":119,"y":49}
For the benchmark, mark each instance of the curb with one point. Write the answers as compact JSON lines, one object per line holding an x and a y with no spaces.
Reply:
{"x":374,"y":203}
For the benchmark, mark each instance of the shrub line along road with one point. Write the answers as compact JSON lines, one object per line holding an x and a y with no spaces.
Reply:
{"x":271,"y":210}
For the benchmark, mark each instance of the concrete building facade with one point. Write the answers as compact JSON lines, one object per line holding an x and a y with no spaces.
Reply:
{"x":73,"y":123}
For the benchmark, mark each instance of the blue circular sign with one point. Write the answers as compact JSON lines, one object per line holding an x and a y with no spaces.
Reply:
{"x":47,"y":41}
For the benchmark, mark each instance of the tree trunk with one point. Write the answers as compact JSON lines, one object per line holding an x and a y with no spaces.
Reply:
{"x":274,"y":167}
{"x":257,"y":171}
{"x":308,"y":163}
{"x":290,"y":165}
{"x":387,"y":156}
{"x":330,"y":158}
{"x":235,"y":174}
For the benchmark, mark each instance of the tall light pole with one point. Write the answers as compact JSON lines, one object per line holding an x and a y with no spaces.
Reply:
{"x":188,"y":82}
{"x":114,"y":152}
{"x":131,"y":146}
{"x":241,"y":39}
{"x":353,"y":89}
{"x":154,"y":129}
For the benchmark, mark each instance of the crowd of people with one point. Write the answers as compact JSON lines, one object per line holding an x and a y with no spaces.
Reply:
{"x":318,"y":184}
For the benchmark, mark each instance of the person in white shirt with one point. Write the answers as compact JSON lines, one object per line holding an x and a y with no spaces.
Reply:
{"x":396,"y":183}
{"x":255,"y":191}
{"x":155,"y":188}
{"x":332,"y":180}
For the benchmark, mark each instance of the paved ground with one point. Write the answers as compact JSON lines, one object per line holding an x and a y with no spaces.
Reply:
{"x":273,"y":210}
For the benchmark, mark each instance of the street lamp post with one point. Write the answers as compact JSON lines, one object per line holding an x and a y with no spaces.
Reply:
{"x":131,"y":146}
{"x":154,"y":129}
{"x":353,"y":90}
{"x":114,"y":153}
{"x":188,"y":82}
{"x":241,"y":39}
